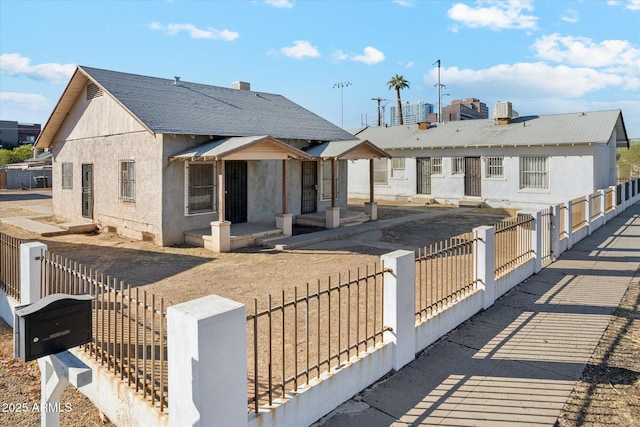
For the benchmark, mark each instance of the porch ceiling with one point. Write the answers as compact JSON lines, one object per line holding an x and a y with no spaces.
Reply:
{"x":262,"y":147}
{"x":347,"y":150}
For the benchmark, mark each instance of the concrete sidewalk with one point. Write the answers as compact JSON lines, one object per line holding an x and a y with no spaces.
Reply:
{"x":517,"y":362}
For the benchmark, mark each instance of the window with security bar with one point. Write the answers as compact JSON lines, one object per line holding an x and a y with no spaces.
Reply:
{"x":381,"y":171}
{"x":202,"y":188}
{"x":534,"y":173}
{"x":398,"y":167}
{"x":436,"y":166}
{"x":67,"y":176}
{"x":326,"y":180}
{"x":495,"y":167}
{"x":457,"y":165}
{"x":127,"y":180}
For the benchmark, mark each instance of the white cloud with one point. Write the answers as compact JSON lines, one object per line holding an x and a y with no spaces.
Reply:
{"x":570,"y":16}
{"x":195,"y":32}
{"x":633,"y":5}
{"x":370,"y":56}
{"x":282,"y":4}
{"x":524,"y":79}
{"x":31,"y":101}
{"x":339,"y":55}
{"x":495,"y":14}
{"x":614,"y":56}
{"x":16,"y":64}
{"x":405,"y":3}
{"x":300,"y":49}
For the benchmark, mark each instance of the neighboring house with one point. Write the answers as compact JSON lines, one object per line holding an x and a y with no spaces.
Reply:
{"x":153,"y":158}
{"x":499,"y":162}
{"x":31,"y":173}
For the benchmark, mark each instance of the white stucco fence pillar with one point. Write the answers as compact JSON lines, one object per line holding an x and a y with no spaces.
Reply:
{"x":568,"y":223}
{"x":485,"y":263}
{"x":207,"y":357}
{"x":30,"y":269}
{"x":400,"y":305}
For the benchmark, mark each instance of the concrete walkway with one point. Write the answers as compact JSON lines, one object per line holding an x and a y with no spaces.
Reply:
{"x":517,"y":362}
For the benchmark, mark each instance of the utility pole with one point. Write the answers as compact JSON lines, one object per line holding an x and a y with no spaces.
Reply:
{"x":379,"y":111}
{"x":440,"y":86}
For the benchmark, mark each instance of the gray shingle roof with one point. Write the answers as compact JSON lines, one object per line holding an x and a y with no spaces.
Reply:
{"x":552,"y":129}
{"x":198,"y":109}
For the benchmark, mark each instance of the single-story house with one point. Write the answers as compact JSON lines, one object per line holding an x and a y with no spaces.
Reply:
{"x":154,"y":158}
{"x":501,"y":162}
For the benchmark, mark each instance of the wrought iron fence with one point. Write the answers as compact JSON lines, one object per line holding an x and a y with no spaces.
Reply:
{"x":129,"y":326}
{"x":10,"y":265}
{"x":445,"y":274}
{"x":513,"y":244}
{"x":595,"y":206}
{"x":578,"y":213}
{"x":294,"y":339}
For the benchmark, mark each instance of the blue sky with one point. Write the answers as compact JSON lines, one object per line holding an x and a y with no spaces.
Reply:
{"x":545,"y":57}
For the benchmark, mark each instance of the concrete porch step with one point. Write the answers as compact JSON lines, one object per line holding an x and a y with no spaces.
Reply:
{"x":470,"y":203}
{"x":78,"y":227}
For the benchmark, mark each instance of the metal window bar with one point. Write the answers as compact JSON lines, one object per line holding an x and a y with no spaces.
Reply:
{"x":513,"y":244}
{"x":10,"y":265}
{"x":307,"y":332}
{"x":595,"y":206}
{"x":545,"y":226}
{"x":129,"y":331}
{"x":578,"y":213}
{"x":445,"y":274}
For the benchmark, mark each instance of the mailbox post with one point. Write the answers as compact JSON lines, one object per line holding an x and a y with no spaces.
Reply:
{"x":45,"y":330}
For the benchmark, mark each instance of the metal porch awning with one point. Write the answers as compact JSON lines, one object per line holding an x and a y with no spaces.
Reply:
{"x":263,"y":147}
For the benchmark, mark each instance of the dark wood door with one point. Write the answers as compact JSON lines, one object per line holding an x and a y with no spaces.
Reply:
{"x":423,"y":169}
{"x":309,"y":187}
{"x":472,"y":177}
{"x":87,"y":190}
{"x":235,"y":196}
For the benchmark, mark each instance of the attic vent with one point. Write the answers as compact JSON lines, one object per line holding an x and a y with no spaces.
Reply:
{"x":93,"y":91}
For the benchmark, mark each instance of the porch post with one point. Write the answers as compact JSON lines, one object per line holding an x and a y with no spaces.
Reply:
{"x":333,"y":182}
{"x":284,"y":220}
{"x":221,"y":191}
{"x":371,"y":207}
{"x":285,"y":190}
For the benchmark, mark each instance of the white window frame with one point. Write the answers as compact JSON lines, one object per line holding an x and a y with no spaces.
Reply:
{"x":436,"y":166}
{"x":127,"y":178}
{"x":325,"y":179}
{"x":67,"y":176}
{"x":534,"y":173}
{"x":190,"y":208}
{"x":494,"y":167}
{"x":398,"y":168}
{"x":457,"y":165}
{"x":381,"y":171}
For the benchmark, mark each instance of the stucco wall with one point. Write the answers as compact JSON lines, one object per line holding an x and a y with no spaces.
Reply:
{"x":571,"y":174}
{"x":101,"y":133}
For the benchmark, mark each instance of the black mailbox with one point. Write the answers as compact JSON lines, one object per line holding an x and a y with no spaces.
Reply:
{"x":53,"y":324}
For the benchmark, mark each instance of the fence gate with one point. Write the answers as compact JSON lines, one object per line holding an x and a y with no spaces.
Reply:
{"x":423,"y":168}
{"x":472,"y":177}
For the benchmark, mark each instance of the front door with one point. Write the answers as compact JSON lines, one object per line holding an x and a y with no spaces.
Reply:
{"x":423,"y":168}
{"x":235,"y":195}
{"x":87,"y":190}
{"x":309,"y":187}
{"x":472,"y":177}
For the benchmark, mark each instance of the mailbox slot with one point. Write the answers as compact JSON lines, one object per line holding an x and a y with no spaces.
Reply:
{"x":53,"y":324}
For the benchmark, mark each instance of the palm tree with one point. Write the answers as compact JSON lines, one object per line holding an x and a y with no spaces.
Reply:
{"x":398,"y":82}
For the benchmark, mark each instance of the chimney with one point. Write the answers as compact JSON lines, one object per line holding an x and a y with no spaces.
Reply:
{"x":241,"y":85}
{"x":423,"y":125}
{"x":177,"y":80}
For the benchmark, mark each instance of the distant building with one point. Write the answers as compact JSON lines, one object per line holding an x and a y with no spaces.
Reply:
{"x":13,"y":133}
{"x":411,"y":113}
{"x":465,"y":109}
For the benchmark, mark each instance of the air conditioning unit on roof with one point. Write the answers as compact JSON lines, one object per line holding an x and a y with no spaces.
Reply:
{"x":503,"y":110}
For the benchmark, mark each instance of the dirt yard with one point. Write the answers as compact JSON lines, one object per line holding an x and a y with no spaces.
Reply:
{"x":183,"y":273}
